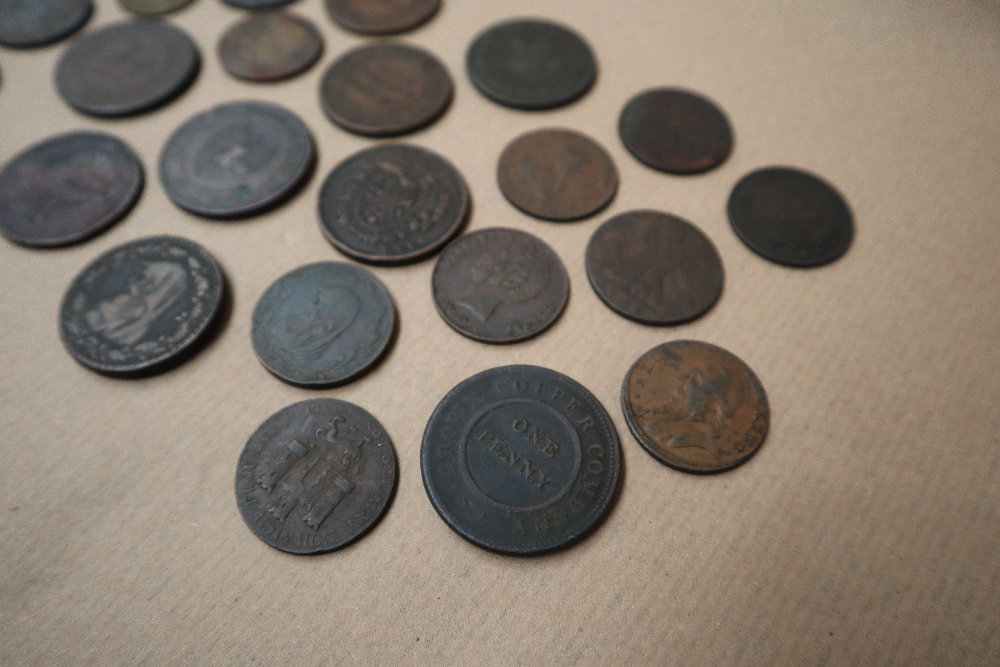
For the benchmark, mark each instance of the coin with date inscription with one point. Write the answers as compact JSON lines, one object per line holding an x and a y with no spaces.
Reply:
{"x":29,"y":23}
{"x":381,"y":17}
{"x":270,"y":46}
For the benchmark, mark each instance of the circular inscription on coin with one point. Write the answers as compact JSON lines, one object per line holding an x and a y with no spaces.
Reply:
{"x":257,"y":4}
{"x":695,"y":406}
{"x":141,"y":306}
{"x":67,"y":189}
{"x":269,"y":47}
{"x":557,"y":175}
{"x":26,"y":23}
{"x":381,"y":17}
{"x":152,"y":7}
{"x":654,"y":268}
{"x":315,"y":476}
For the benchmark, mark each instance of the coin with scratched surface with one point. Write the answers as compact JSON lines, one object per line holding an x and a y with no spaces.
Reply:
{"x":270,"y":46}
{"x":695,"y":406}
{"x":141,"y":306}
{"x":27,"y":23}
{"x":315,"y":476}
{"x":153,"y":7}
{"x":68,"y":188}
{"x":381,"y":17}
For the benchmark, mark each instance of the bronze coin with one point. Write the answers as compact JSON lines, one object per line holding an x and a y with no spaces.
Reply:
{"x":30,"y":23}
{"x":557,"y":175}
{"x":153,"y":7}
{"x":270,"y":47}
{"x":654,"y":268}
{"x":695,"y":406}
{"x":381,"y":17}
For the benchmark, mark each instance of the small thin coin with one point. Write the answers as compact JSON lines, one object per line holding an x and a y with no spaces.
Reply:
{"x":315,"y":476}
{"x":257,"y":4}
{"x":28,"y":23}
{"x":392,"y":204}
{"x":381,"y":17}
{"x":695,"y":406}
{"x":68,"y":188}
{"x":153,"y":7}
{"x":557,"y":175}
{"x":270,"y":47}
{"x":654,"y":268}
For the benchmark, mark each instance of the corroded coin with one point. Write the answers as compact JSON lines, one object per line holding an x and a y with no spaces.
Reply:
{"x":68,"y":188}
{"x":322,"y":324}
{"x":27,"y":23}
{"x":385,"y":89}
{"x":269,"y":47}
{"x":257,"y":4}
{"x":315,"y":476}
{"x":499,"y":285}
{"x":654,"y":268}
{"x":153,"y":7}
{"x":141,"y":306}
{"x":695,"y":406}
{"x":520,"y":460}
{"x":381,"y":17}
{"x":557,"y":175}
{"x":392,"y":204}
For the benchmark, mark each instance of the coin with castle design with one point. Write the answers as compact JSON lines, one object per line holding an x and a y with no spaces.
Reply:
{"x":270,"y":46}
{"x":29,"y":23}
{"x":381,"y":17}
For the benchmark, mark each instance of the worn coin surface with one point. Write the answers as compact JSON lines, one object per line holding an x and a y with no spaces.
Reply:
{"x":654,"y":268}
{"x":27,"y":23}
{"x":385,"y":89}
{"x":392,"y":204}
{"x":257,"y":4}
{"x":381,"y":17}
{"x":127,"y":68}
{"x":152,"y":7}
{"x":315,"y":476}
{"x":791,"y":217}
{"x":68,"y":188}
{"x":141,"y":306}
{"x":270,"y":46}
{"x":557,"y":175}
{"x":695,"y":406}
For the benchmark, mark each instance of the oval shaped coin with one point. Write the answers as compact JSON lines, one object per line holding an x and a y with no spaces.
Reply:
{"x":381,"y":17}
{"x":141,"y":306}
{"x":695,"y":406}
{"x":269,"y":47}
{"x":654,"y":268}
{"x":236,"y":159}
{"x":323,"y":324}
{"x":153,"y":7}
{"x":392,"y":204}
{"x":27,"y":23}
{"x":68,"y":188}
{"x":257,"y":4}
{"x":315,"y":476}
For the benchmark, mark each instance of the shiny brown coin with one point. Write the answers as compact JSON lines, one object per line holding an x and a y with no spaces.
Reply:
{"x":381,"y":17}
{"x":270,"y":47}
{"x":695,"y":406}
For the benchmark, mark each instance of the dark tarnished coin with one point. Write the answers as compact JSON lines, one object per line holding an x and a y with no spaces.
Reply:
{"x":521,"y":460}
{"x":791,"y":217}
{"x":269,"y":47}
{"x":392,"y":204}
{"x":381,"y":17}
{"x":68,"y":188}
{"x":385,"y":89}
{"x":27,"y":23}
{"x":315,"y":476}
{"x":322,"y":324}
{"x":141,"y":306}
{"x":675,"y":131}
{"x":695,"y":406}
{"x":654,"y":268}
{"x":531,"y":64}
{"x":236,"y":159}
{"x":152,"y":7}
{"x":557,"y":175}
{"x":257,"y":4}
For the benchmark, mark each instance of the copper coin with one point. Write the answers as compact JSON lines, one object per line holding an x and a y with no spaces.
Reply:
{"x":153,"y":7}
{"x":381,"y":17}
{"x":270,"y":47}
{"x":695,"y":406}
{"x":28,"y":23}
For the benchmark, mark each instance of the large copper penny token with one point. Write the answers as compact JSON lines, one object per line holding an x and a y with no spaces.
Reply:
{"x":381,"y":17}
{"x":153,"y":7}
{"x":270,"y":47}
{"x":695,"y":406}
{"x":28,"y":23}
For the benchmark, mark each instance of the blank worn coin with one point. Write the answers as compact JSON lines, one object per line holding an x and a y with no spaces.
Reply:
{"x":153,"y":7}
{"x":270,"y":46}
{"x":381,"y":17}
{"x":27,"y":23}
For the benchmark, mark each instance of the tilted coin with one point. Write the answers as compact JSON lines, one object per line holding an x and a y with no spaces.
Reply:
{"x":315,"y":476}
{"x":381,"y":17}
{"x":521,"y":460}
{"x":27,"y":23}
{"x":695,"y":406}
{"x":654,"y":268}
{"x":68,"y":188}
{"x":257,"y":4}
{"x":153,"y":7}
{"x":269,"y":47}
{"x":392,"y":204}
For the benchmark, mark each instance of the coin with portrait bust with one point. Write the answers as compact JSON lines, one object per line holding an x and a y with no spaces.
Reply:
{"x":381,"y":17}
{"x":270,"y":46}
{"x":30,"y":23}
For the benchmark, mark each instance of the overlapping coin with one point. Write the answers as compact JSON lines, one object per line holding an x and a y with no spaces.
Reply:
{"x":270,"y":46}
{"x":381,"y":17}
{"x":28,"y":23}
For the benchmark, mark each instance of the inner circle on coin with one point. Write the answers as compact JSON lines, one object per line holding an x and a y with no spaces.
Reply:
{"x":392,"y":204}
{"x":654,"y":268}
{"x":68,"y":188}
{"x":27,"y":23}
{"x":153,"y":7}
{"x":381,"y":17}
{"x":270,"y":46}
{"x":499,"y":285}
{"x":695,"y":406}
{"x":322,"y":324}
{"x":520,"y":460}
{"x":315,"y":476}
{"x":257,"y":4}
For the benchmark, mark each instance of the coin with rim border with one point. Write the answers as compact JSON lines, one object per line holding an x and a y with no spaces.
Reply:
{"x":270,"y":46}
{"x":381,"y":17}
{"x":25,"y":24}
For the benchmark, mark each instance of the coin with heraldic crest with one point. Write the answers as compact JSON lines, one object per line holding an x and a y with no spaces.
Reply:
{"x":381,"y":17}
{"x":270,"y":46}
{"x":30,"y":23}
{"x":153,"y":7}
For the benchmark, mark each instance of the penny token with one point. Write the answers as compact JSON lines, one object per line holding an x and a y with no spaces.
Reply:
{"x":68,"y":188}
{"x":315,"y":476}
{"x":695,"y":407}
{"x":152,"y":7}
{"x":27,"y":23}
{"x":381,"y":17}
{"x":257,"y":4}
{"x":531,"y":65}
{"x":385,"y":89}
{"x":654,"y":268}
{"x":141,"y":306}
{"x":557,"y":175}
{"x":269,"y":47}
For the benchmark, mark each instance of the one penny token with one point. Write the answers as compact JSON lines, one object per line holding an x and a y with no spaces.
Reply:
{"x":141,"y":306}
{"x":675,"y":131}
{"x":695,"y":407}
{"x":269,"y":47}
{"x":557,"y":175}
{"x":236,"y":159}
{"x":791,"y":217}
{"x":654,"y":268}
{"x":153,"y":7}
{"x":68,"y":188}
{"x":257,"y":4}
{"x":392,"y":204}
{"x":385,"y":89}
{"x":381,"y":17}
{"x":521,"y":460}
{"x":322,"y":324}
{"x":28,"y":23}
{"x":315,"y":476}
